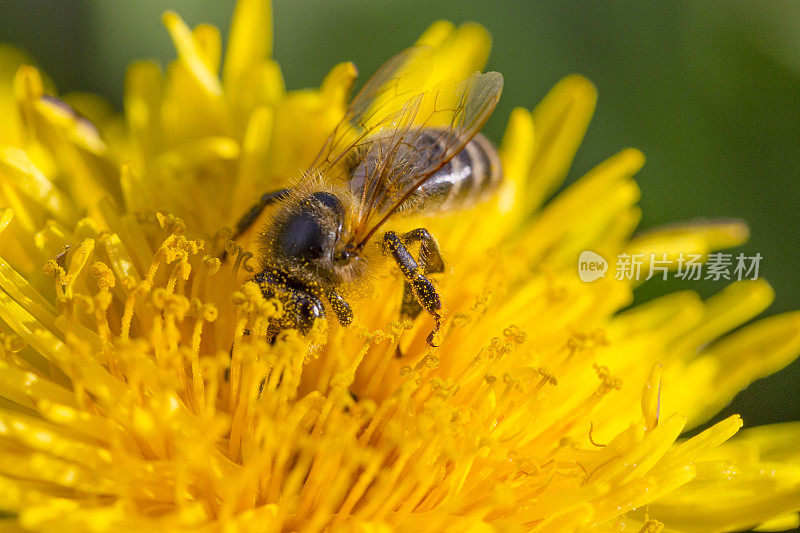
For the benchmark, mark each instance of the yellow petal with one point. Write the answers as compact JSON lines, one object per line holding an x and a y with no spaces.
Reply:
{"x":249,"y":41}
{"x":190,"y":53}
{"x":255,"y":147}
{"x":16,"y":167}
{"x":735,"y":305}
{"x":775,"y":442}
{"x":515,"y":153}
{"x":785,"y":522}
{"x":740,"y":358}
{"x":436,"y":33}
{"x":560,"y":121}
{"x":694,"y":448}
{"x":337,"y":85}
{"x":209,"y":44}
{"x":76,"y":129}
{"x":49,"y":439}
{"x":143,"y":93}
{"x":688,"y":239}
{"x":459,"y":51}
{"x":593,"y":202}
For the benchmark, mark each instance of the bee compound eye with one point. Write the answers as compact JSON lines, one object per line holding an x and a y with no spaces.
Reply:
{"x":302,"y":238}
{"x":330,"y":201}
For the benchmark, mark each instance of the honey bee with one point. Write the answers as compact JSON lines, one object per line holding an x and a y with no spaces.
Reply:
{"x":398,"y":150}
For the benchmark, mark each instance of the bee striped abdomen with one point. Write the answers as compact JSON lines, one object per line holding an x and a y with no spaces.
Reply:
{"x":470,"y":177}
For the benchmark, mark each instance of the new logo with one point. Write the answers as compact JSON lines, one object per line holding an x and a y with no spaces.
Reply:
{"x":591,"y":266}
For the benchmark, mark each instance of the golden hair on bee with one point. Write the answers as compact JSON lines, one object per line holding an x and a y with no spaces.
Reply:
{"x":323,"y":212}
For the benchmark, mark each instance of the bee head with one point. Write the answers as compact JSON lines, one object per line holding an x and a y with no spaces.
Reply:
{"x":306,"y":236}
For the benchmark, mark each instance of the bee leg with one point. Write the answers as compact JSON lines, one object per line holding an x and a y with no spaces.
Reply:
{"x":300,"y":308}
{"x":342,"y":310}
{"x":424,"y":292}
{"x":250,"y":217}
{"x":430,"y":260}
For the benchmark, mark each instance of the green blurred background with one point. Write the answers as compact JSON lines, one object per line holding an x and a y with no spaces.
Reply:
{"x":709,"y":91}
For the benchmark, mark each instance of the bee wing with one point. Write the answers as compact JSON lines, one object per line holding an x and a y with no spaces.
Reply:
{"x":376,"y":148}
{"x":375,"y":108}
{"x":412,"y":144}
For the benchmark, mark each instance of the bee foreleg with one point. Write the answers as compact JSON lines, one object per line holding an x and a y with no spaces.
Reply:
{"x":421,"y":287}
{"x":342,"y":310}
{"x":301,"y":308}
{"x":250,"y":217}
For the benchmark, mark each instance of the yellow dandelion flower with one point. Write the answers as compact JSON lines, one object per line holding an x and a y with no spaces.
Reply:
{"x":131,"y":397}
